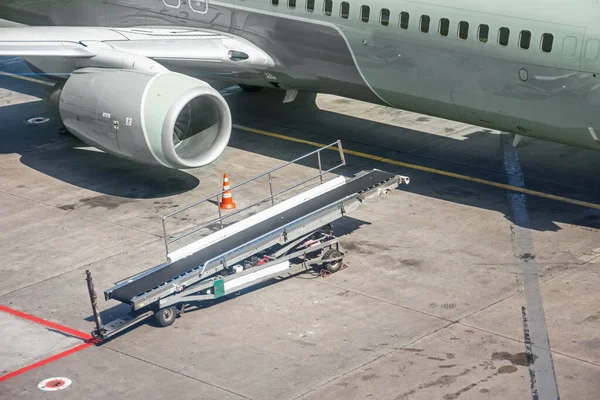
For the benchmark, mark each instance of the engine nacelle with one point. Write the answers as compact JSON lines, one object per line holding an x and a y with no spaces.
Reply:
{"x":167,"y":118}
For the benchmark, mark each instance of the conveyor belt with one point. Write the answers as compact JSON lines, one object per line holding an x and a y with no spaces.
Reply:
{"x":127,"y":292}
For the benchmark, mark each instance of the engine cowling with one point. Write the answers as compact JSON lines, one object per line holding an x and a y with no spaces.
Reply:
{"x":167,"y":118}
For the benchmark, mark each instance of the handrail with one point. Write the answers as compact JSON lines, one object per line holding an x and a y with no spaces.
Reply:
{"x":271,"y":196}
{"x":223,"y":256}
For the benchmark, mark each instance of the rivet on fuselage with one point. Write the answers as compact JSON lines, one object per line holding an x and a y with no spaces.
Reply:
{"x":365,"y":42}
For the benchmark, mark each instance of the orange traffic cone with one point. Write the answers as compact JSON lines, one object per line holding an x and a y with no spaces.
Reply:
{"x":226,"y":201}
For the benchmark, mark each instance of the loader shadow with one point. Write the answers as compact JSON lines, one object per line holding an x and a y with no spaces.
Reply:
{"x":121,"y":310}
{"x":343,"y":227}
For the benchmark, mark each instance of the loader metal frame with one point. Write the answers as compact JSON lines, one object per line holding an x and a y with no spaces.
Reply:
{"x":300,"y":244}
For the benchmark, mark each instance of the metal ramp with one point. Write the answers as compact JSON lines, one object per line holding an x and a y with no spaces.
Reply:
{"x":289,"y":236}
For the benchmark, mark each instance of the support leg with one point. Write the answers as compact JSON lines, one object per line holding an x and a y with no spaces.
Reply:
{"x":93,"y":299}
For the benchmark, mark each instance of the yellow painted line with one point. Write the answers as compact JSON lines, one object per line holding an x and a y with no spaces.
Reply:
{"x":426,"y":169}
{"x":26,"y":78}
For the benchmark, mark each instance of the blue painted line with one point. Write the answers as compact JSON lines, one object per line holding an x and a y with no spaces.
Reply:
{"x":537,"y":343}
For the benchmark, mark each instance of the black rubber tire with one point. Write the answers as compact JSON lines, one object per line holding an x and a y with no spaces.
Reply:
{"x":334,"y":266}
{"x":250,"y":88}
{"x":166,"y":316}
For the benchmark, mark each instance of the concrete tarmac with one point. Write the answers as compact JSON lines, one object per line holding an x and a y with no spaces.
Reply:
{"x":431,"y":306}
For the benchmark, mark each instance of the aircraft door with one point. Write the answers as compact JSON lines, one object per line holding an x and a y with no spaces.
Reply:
{"x":590,"y":82}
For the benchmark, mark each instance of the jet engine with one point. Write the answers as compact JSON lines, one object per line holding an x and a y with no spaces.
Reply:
{"x":164,"y":118}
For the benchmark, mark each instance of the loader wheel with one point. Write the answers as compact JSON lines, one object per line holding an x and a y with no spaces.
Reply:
{"x":166,"y":316}
{"x":333,"y":266}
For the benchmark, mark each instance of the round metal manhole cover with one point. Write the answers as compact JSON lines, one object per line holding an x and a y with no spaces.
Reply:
{"x":38,"y":120}
{"x":54,"y":384}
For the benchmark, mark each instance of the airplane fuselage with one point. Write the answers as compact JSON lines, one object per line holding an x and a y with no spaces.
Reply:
{"x":518,"y":66}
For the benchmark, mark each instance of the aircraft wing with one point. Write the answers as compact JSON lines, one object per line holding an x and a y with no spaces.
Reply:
{"x":197,"y":47}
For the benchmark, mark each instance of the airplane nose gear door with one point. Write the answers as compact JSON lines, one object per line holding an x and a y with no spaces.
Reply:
{"x":199,"y":6}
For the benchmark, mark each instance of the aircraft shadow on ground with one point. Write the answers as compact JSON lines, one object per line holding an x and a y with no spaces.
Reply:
{"x":66,"y":158}
{"x":558,"y":169}
{"x":548,"y":167}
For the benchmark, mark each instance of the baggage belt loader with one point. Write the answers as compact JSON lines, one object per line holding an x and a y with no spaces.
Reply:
{"x":286,"y":238}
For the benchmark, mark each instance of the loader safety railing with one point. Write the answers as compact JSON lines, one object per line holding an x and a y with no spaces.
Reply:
{"x":337,"y":145}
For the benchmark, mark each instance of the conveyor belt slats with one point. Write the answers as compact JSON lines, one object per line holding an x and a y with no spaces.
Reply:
{"x":128,"y":291}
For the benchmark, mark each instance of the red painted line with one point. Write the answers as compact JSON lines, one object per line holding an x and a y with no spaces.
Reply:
{"x":52,"y":325}
{"x":47,"y":360}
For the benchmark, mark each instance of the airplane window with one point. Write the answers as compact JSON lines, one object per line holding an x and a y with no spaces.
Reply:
{"x":525,"y":40}
{"x":592,"y":48}
{"x":547,"y":40}
{"x":385,"y":17}
{"x":404,"y":16}
{"x":569,"y":46}
{"x":292,"y":4}
{"x":503,"y":36}
{"x":310,"y":5}
{"x":463,"y":30}
{"x":484,"y":32}
{"x":275,"y":2}
{"x":444,"y":26}
{"x":345,"y":9}
{"x":172,"y":3}
{"x":425,"y":20}
{"x":364,"y":13}
{"x":328,"y":7}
